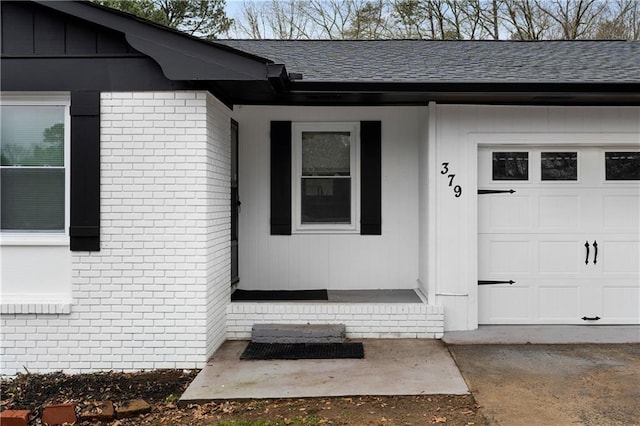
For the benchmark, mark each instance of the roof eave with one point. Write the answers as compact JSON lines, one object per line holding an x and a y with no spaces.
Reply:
{"x":181,"y":57}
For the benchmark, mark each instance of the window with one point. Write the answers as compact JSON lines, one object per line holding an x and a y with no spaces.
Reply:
{"x":622,"y":165}
{"x":510,"y":166}
{"x":325,"y":174}
{"x":34,"y":138}
{"x":559,"y":166}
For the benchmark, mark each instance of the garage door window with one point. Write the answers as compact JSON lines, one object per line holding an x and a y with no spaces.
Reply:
{"x":559,"y":166}
{"x":622,"y":165}
{"x":510,"y":166}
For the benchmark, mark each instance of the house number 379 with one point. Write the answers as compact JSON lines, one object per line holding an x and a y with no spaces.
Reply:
{"x":457,"y":189}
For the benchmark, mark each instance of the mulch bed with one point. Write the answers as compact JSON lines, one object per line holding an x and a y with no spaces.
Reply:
{"x":162,"y":388}
{"x":33,"y":390}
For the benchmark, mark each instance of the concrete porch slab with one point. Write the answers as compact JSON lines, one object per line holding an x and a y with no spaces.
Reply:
{"x":390,"y":367}
{"x":544,"y":334}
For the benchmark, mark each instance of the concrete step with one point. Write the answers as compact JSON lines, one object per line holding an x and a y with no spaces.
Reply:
{"x":298,"y":333}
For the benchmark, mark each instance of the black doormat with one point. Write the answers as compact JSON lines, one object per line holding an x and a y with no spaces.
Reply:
{"x":262,"y":295}
{"x":265,"y":351}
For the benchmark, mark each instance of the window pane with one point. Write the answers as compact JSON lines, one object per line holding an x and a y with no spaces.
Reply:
{"x":622,"y":165}
{"x":326,"y":200}
{"x":32,"y":135}
{"x":510,"y":165}
{"x":559,"y":165}
{"x":32,"y":199}
{"x":326,"y":153}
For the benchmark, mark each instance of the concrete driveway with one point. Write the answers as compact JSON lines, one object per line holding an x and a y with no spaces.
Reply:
{"x":582,"y":384}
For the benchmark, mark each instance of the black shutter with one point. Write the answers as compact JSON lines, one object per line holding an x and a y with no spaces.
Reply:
{"x":280,"y":178}
{"x":370,"y":177}
{"x":84,"y":230}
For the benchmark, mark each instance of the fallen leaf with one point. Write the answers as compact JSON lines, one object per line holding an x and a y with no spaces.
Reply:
{"x":438,"y":419}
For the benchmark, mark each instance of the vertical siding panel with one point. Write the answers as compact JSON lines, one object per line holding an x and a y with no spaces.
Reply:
{"x":48,"y":35}
{"x":306,"y":261}
{"x":81,"y":40}
{"x":17,"y":29}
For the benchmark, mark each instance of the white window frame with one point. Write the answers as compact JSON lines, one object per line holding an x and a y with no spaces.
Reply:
{"x":296,"y":167}
{"x":41,"y":238}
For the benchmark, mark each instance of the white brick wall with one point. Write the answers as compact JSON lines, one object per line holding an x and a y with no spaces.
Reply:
{"x":153,"y":296}
{"x":218,"y":222}
{"x":362,"y":320}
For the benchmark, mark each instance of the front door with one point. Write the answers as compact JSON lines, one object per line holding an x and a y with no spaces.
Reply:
{"x":568,"y":236}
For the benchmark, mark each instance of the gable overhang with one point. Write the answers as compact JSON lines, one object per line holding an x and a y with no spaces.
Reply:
{"x":184,"y":58}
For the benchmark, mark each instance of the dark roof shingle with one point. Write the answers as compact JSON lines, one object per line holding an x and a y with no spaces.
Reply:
{"x":421,"y":61}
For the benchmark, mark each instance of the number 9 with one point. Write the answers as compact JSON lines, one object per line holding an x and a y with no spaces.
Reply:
{"x":458,"y":190}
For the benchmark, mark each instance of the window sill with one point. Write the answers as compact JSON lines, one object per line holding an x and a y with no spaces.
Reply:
{"x":336,"y":231}
{"x":22,"y":239}
{"x":35,"y":307}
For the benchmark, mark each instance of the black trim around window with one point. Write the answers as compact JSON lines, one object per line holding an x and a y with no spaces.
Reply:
{"x":370,"y":177}
{"x":84,"y":230}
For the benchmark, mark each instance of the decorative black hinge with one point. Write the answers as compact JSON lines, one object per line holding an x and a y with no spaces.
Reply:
{"x":490,"y":282}
{"x":496,"y":191}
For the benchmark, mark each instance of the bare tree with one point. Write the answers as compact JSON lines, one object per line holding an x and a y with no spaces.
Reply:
{"x":370,"y":21}
{"x":491,"y":15}
{"x":288,"y":19}
{"x":410,"y":18}
{"x":621,"y":22}
{"x":576,"y":18}
{"x":440,"y":19}
{"x":525,"y":20}
{"x":332,"y":17}
{"x":251,"y":22}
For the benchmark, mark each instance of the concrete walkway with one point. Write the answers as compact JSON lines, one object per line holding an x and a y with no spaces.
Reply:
{"x":544,"y":334}
{"x":390,"y":367}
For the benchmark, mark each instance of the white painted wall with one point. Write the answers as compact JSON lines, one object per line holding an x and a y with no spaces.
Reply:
{"x":333,"y":261}
{"x":218,"y":222}
{"x":35,"y":274}
{"x":155,"y":295}
{"x":458,"y":130}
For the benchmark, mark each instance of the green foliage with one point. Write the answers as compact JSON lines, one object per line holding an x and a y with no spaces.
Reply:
{"x":204,"y":18}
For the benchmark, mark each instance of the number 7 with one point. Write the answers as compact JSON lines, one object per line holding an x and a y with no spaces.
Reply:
{"x":451,"y":179}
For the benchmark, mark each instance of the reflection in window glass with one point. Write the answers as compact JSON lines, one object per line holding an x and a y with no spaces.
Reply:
{"x":622,"y":165}
{"x":559,"y":166}
{"x":326,"y":200}
{"x":510,"y":165}
{"x":326,"y":153}
{"x":32,"y":178}
{"x":326,"y":177}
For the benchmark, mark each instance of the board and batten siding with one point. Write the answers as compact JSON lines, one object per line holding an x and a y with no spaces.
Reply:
{"x":333,"y":261}
{"x":453,"y":226}
{"x":155,"y":294}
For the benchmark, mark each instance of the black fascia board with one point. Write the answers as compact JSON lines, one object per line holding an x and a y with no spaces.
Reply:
{"x":630,"y":88}
{"x":181,"y":57}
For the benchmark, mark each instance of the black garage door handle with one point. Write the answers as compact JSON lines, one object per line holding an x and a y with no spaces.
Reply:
{"x":586,"y":260}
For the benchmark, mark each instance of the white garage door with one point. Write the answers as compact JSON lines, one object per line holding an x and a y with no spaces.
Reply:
{"x":569,"y":236}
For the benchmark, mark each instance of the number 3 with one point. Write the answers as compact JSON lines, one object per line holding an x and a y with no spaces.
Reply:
{"x":445,"y":169}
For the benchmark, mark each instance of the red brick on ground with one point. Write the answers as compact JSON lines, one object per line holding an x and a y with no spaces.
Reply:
{"x":59,"y":414}
{"x":97,"y":411}
{"x":15,"y":417}
{"x":132,"y":408}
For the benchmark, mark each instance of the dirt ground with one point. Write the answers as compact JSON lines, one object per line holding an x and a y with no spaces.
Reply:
{"x":553,"y":384}
{"x":162,"y":388}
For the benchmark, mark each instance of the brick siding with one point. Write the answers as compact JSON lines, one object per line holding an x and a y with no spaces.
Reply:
{"x":362,"y":320}
{"x":154,"y":296}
